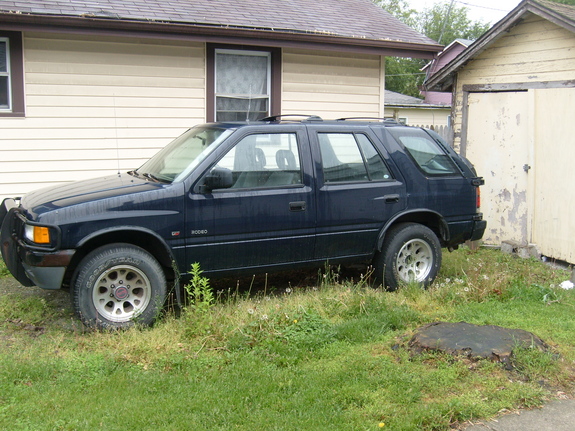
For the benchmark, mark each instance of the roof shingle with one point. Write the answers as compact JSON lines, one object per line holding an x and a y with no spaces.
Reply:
{"x":339,"y":18}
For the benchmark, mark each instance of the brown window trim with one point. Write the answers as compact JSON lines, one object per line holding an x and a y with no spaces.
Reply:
{"x":275,"y":96}
{"x":16,"y":74}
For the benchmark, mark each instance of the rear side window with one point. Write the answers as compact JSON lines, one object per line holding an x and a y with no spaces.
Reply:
{"x":349,"y":157}
{"x":427,"y":153}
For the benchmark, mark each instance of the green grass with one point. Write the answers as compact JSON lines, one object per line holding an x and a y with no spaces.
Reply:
{"x":3,"y":270}
{"x":331,"y":354}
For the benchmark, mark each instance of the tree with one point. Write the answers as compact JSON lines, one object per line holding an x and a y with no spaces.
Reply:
{"x":441,"y":21}
{"x":399,"y":9}
{"x":445,"y":23}
{"x":404,"y":75}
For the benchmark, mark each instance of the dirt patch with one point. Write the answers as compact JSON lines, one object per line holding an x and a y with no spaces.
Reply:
{"x":57,"y":305}
{"x":10,"y":287}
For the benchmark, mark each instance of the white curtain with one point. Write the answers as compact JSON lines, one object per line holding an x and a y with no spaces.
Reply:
{"x":241,"y":86}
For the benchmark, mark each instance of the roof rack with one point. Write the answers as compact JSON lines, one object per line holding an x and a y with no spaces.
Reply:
{"x":387,"y":120}
{"x":307,"y":117}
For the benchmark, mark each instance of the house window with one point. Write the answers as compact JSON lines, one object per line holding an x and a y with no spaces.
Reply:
{"x":11,"y":75}
{"x":5,"y":98}
{"x":242,"y":84}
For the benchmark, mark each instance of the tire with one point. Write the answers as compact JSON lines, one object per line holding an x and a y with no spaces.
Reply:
{"x":116,"y":286}
{"x":411,"y":253}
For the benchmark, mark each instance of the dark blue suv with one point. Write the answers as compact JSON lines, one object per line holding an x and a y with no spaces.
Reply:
{"x":246,"y":197}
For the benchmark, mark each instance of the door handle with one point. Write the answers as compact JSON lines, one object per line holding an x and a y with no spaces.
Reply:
{"x":391,"y":199}
{"x":297,"y":206}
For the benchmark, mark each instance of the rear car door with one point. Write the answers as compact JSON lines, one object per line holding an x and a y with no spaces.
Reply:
{"x":359,"y":189}
{"x":267,"y":216}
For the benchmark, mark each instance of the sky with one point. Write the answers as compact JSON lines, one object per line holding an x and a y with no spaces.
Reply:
{"x":479,"y":10}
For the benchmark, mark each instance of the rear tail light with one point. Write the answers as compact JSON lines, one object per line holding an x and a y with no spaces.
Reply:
{"x":478,"y":197}
{"x":477,"y":182}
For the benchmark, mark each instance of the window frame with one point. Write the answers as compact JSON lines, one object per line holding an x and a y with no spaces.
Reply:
{"x":15,"y":72}
{"x":7,"y":75}
{"x":274,"y":83}
{"x":261,"y":54}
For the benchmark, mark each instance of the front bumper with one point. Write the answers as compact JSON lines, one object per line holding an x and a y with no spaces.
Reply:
{"x":29,"y":265}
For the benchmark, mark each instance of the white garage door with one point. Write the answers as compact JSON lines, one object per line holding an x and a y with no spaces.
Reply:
{"x":498,"y":146}
{"x":523,"y":144}
{"x":554,"y":180}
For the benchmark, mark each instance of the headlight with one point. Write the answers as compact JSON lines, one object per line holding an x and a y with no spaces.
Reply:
{"x":37,"y":234}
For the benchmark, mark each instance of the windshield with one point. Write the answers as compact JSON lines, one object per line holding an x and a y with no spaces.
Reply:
{"x":182,"y":155}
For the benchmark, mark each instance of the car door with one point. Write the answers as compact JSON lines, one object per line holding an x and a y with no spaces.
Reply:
{"x":358,"y":191}
{"x":267,"y":217}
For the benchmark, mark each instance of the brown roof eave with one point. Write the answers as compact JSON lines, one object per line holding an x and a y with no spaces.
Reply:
{"x":214,"y":34}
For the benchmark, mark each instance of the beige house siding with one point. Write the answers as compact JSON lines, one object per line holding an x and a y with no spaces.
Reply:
{"x":96,"y":105}
{"x":535,"y":50}
{"x":332,"y":85}
{"x":421,"y":117}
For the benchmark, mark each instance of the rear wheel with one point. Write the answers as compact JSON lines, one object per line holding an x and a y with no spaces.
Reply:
{"x":118,"y":285}
{"x":411,"y":253}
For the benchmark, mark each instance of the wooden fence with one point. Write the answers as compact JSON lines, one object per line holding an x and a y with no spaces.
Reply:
{"x":446,"y":132}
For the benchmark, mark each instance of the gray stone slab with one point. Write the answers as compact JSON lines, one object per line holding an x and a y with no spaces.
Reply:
{"x":473,"y":341}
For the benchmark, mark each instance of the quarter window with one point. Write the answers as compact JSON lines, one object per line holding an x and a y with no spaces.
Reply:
{"x":348,"y":157}
{"x":242,"y":85}
{"x":264,"y":160}
{"x":427,"y":153}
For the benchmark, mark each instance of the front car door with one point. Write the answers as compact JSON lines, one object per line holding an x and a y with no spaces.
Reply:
{"x":267,"y":216}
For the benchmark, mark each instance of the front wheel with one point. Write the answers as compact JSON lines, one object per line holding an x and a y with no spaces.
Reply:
{"x":411,"y":253}
{"x":118,"y":285}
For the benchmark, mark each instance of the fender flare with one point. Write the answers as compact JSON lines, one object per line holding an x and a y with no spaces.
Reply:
{"x":414,"y":216}
{"x":166,"y":250}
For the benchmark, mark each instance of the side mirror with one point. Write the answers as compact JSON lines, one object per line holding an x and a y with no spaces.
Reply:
{"x":218,"y":178}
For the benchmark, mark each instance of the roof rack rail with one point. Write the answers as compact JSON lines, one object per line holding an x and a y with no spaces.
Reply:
{"x":385,"y":120}
{"x":280,"y":116}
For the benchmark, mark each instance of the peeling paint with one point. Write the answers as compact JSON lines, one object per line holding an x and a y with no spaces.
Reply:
{"x":505,"y":195}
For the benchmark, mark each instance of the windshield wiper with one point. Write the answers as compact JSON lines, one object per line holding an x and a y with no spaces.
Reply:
{"x":155,"y":178}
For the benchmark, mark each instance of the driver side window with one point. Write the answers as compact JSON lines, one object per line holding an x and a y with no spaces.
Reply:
{"x":264,"y":160}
